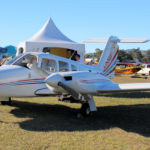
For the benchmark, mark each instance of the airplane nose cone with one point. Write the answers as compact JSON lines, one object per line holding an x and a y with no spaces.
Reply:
{"x":53,"y":79}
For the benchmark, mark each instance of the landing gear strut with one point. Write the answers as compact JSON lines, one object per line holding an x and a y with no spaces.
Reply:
{"x":85,"y":110}
{"x":9,"y":102}
{"x":87,"y":107}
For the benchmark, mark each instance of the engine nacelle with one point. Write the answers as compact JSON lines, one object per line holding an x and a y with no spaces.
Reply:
{"x":80,"y":82}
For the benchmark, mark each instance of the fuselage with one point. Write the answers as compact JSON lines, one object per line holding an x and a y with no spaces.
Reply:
{"x":21,"y":76}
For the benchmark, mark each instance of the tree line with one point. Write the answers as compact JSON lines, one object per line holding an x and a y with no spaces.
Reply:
{"x":132,"y":55}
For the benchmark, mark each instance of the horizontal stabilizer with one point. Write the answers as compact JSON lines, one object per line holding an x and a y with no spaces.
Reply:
{"x":130,"y":40}
{"x":122,"y":40}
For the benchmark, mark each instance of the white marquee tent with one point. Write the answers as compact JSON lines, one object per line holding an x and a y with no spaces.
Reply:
{"x":50,"y":37}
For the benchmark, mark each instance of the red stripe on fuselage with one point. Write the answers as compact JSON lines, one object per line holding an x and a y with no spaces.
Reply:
{"x":95,"y":80}
{"x":22,"y":81}
{"x":111,"y":61}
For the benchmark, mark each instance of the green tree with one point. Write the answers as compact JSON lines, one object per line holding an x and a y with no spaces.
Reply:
{"x":136,"y":54}
{"x":148,"y":54}
{"x":89,"y":55}
{"x":98,"y":53}
{"x":124,"y":56}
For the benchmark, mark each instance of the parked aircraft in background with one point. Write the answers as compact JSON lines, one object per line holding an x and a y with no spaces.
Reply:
{"x":127,"y":68}
{"x":42,"y":74}
{"x":145,"y":71}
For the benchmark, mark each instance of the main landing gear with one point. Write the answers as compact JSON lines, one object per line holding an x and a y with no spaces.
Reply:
{"x":88,"y":105}
{"x":6,"y":102}
{"x":85,"y":110}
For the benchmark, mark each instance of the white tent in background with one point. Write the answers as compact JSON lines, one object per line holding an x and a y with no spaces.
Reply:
{"x":51,"y":39}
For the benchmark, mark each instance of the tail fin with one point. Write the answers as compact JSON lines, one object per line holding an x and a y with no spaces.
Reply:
{"x":109,"y":56}
{"x":108,"y":59}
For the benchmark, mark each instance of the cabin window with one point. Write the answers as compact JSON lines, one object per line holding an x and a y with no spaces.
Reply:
{"x":49,"y":65}
{"x":73,"y":68}
{"x":63,"y":66}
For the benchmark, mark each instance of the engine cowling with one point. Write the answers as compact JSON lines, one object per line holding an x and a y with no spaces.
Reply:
{"x":79,"y":82}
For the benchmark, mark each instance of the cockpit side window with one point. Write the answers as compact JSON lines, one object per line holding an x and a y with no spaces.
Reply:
{"x":49,"y":65}
{"x":63,"y":66}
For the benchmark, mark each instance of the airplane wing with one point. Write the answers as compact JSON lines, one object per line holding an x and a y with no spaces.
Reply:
{"x":127,"y":87}
{"x":84,"y":85}
{"x":91,"y":83}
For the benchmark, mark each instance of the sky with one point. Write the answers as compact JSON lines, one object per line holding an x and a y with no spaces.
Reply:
{"x":78,"y":19}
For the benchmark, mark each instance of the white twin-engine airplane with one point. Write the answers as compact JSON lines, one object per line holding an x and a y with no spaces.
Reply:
{"x":42,"y":74}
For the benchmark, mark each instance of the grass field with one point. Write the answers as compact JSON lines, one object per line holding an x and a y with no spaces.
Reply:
{"x":122,"y":122}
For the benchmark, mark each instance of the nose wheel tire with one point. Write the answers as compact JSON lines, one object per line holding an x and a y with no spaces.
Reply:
{"x":85,"y":110}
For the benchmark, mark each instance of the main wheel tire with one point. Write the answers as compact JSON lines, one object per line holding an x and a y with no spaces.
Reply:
{"x":85,"y":110}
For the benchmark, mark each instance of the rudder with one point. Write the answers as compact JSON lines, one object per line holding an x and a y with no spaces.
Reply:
{"x":109,"y":56}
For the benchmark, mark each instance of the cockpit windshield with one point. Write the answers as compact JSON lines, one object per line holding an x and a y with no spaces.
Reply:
{"x":11,"y":61}
{"x":25,"y":60}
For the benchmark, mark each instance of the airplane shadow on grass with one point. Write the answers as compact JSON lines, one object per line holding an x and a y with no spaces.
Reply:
{"x":45,"y":117}
{"x":128,"y":95}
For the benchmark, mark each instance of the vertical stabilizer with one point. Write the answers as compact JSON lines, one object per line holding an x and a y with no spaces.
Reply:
{"x":109,"y":56}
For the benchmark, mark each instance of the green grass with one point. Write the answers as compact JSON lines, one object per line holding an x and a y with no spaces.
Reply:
{"x":122,"y":122}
